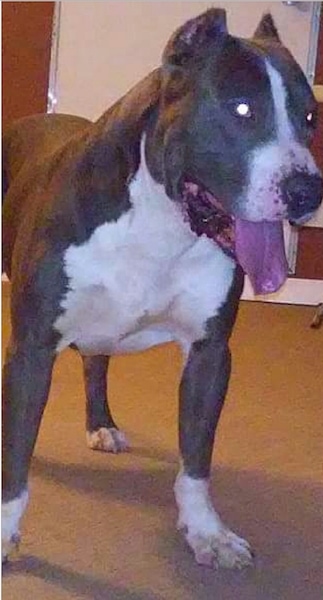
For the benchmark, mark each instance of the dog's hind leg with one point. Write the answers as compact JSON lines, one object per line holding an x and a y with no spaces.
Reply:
{"x":102,"y":432}
{"x":26,"y":380}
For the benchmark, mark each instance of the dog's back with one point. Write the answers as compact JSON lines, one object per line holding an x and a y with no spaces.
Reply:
{"x":27,"y":143}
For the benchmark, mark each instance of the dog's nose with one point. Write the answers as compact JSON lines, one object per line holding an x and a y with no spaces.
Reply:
{"x":303,"y":193}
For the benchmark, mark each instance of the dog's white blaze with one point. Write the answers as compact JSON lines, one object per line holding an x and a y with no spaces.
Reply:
{"x":270,"y":163}
{"x":143,"y":280}
{"x":284,"y":126}
{"x":11,"y":513}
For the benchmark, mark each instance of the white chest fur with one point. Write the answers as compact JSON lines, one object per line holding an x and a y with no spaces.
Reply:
{"x":142,"y":280}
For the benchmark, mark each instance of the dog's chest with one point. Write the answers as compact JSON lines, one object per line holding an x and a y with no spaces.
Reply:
{"x":142,"y":280}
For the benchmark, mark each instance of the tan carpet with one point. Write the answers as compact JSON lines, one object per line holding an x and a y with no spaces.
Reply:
{"x":102,"y":527}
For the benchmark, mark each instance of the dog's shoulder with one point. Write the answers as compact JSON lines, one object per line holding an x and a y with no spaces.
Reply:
{"x":104,"y":166}
{"x":31,"y":139}
{"x":67,"y":176}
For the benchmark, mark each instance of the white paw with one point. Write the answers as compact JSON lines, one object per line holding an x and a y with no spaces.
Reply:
{"x":221,"y":549}
{"x":107,"y":440}
{"x":212,"y":543}
{"x":9,"y":547}
{"x":11,"y":513}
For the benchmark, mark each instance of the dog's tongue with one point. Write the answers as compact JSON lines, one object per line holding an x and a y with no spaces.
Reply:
{"x":261,"y":253}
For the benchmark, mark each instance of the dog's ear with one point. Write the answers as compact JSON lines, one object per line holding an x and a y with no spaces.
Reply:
{"x":194,"y":35}
{"x":267,"y":29}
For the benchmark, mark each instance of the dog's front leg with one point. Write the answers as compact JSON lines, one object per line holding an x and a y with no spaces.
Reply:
{"x":202,"y":392}
{"x":26,"y":380}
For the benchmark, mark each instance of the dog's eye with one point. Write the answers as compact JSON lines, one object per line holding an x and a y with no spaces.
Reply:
{"x":242,"y":109}
{"x":311,"y":119}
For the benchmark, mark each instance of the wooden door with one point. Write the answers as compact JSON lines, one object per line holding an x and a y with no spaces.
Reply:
{"x":26,"y":47}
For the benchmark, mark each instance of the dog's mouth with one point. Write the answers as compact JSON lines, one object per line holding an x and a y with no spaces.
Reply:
{"x":257,"y":246}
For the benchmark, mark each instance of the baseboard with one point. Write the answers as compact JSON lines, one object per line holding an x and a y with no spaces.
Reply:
{"x":295,"y":291}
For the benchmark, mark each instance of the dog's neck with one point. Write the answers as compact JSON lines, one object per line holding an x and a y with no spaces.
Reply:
{"x":148,"y":195}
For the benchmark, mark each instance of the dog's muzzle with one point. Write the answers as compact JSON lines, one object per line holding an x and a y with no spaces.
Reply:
{"x":257,"y":246}
{"x":302,"y":194}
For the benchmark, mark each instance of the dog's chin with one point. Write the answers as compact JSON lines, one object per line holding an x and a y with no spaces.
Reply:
{"x":257,"y":246}
{"x":300,"y":221}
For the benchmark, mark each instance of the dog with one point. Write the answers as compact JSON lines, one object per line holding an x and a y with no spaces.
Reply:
{"x":137,"y":230}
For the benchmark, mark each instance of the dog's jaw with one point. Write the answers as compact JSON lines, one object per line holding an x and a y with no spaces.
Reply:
{"x":206,"y":215}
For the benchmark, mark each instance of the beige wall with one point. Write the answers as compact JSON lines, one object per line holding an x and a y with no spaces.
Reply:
{"x":105,"y":47}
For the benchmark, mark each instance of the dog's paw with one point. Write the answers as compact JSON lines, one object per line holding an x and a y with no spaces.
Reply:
{"x":107,"y":439}
{"x":222,"y":549}
{"x":212,"y":542}
{"x":9,"y":547}
{"x":11,"y":513}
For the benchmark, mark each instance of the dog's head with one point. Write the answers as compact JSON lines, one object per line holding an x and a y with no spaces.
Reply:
{"x":237,"y":121}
